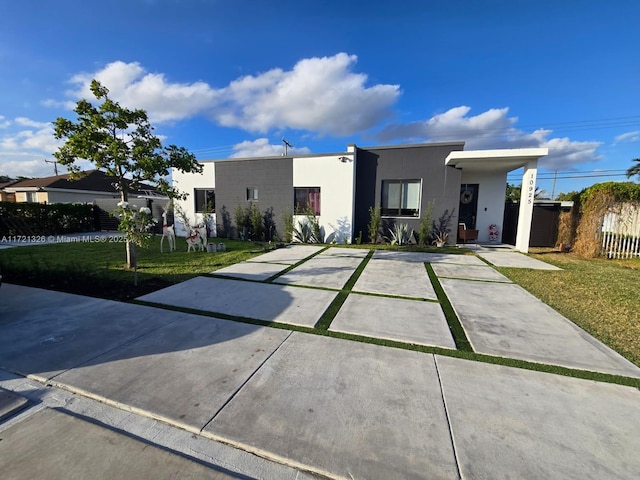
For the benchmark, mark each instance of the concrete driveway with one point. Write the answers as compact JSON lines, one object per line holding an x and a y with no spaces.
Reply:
{"x":252,"y":401}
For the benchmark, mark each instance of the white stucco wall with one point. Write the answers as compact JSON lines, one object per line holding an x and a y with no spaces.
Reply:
{"x":336,"y":179}
{"x":491,"y":197}
{"x":527,"y":197}
{"x":186,"y":182}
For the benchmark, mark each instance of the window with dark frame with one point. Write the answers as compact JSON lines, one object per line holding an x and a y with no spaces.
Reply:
{"x":205,"y":200}
{"x":307,"y":198}
{"x":400,"y":198}
{"x":252,"y":194}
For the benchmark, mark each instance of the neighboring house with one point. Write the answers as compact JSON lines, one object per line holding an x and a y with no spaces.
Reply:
{"x":7,"y":196}
{"x":341,"y":187}
{"x":94,"y":187}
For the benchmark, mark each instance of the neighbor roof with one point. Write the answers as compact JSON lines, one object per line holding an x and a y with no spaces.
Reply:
{"x":91,"y":180}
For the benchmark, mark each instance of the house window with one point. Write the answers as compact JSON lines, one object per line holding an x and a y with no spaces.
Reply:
{"x":205,"y":200}
{"x":401,"y":198}
{"x":252,"y":194}
{"x":307,"y":198}
{"x":32,"y":197}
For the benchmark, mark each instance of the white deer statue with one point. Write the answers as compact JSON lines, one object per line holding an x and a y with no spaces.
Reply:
{"x":197,"y":238}
{"x":168,"y":232}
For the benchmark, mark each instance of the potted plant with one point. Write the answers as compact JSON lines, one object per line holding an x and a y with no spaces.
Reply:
{"x":440,"y":230}
{"x":441,"y":239}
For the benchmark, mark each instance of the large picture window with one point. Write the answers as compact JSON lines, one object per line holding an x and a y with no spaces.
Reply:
{"x":401,"y":198}
{"x":205,"y":200}
{"x":307,"y":198}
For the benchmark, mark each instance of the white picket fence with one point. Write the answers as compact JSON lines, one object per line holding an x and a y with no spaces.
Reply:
{"x":621,"y":232}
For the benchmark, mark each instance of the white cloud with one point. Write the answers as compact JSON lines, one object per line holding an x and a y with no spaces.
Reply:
{"x":4,"y":123}
{"x":133,"y":87}
{"x":23,"y":150}
{"x":319,"y":94}
{"x":27,"y":122}
{"x":262,"y":148}
{"x":628,"y":137}
{"x":492,"y":129}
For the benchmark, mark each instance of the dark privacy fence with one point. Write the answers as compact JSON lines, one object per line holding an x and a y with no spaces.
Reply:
{"x":44,"y":219}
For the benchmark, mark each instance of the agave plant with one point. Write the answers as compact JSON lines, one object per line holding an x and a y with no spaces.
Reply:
{"x":400,"y":234}
{"x":303,"y":232}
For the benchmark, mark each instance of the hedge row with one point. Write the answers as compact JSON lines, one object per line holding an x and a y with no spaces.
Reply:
{"x":44,"y":219}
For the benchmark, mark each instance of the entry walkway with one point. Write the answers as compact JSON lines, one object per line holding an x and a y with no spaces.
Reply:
{"x":506,"y":256}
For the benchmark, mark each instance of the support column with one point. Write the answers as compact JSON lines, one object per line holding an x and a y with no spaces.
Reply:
{"x":525,"y":215}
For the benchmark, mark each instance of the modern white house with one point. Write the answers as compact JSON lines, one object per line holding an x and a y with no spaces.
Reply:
{"x":340,"y":187}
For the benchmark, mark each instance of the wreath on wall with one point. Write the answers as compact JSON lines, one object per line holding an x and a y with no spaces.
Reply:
{"x":466,"y":197}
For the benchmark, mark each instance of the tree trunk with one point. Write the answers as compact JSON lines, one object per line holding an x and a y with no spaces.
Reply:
{"x":129,"y":247}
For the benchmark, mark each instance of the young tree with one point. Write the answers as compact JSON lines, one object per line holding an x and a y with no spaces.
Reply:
{"x":120,"y":142}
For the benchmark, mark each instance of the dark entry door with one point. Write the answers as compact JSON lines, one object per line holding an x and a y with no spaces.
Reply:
{"x":468,"y":210}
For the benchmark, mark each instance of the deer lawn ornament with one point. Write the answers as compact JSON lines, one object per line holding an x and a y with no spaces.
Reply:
{"x":169,"y":233}
{"x":197,"y":238}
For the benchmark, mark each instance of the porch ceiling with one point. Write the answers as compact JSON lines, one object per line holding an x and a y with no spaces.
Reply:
{"x":504,"y":160}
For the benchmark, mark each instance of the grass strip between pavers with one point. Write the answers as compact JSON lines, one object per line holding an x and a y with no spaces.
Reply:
{"x":324,"y":322}
{"x":459,"y":335}
{"x":297,"y":264}
{"x":461,"y":354}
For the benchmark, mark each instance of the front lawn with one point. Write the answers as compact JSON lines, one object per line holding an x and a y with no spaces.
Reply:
{"x":97,"y":269}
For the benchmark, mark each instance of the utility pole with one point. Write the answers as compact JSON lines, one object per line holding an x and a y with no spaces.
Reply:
{"x":55,"y":165}
{"x":286,"y":144}
{"x":553,"y":187}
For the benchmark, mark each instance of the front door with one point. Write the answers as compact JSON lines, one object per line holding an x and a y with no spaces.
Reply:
{"x":468,"y":210}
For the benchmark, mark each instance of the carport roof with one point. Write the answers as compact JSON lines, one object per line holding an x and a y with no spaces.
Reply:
{"x":503,"y":160}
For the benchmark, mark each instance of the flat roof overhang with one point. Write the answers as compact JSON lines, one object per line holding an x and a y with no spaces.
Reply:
{"x":503,"y":160}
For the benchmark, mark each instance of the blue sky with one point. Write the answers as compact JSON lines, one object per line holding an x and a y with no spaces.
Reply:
{"x":232,"y":78}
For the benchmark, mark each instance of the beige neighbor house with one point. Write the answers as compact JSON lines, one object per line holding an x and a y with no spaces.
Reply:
{"x":94,"y":187}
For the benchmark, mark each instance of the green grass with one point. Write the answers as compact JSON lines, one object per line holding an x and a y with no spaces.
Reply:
{"x":458,"y":333}
{"x":601,"y":296}
{"x":98,"y":268}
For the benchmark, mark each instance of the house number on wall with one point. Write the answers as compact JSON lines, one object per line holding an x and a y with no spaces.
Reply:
{"x":530,"y":192}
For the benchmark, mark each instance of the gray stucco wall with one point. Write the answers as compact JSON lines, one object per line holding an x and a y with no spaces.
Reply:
{"x":273,"y":177}
{"x":440,"y":184}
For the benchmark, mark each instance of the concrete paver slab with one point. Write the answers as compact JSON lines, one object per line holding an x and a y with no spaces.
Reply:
{"x":516,"y":260}
{"x":351,"y":409}
{"x":18,"y":302}
{"x":505,"y":320}
{"x":423,"y":257}
{"x":288,"y":255}
{"x":469,"y":272}
{"x":46,"y":341}
{"x":514,"y":423}
{"x":346,"y":252}
{"x":411,"y":321}
{"x":396,"y":277}
{"x":455,"y":259}
{"x":251,"y":270}
{"x":328,"y":271}
{"x":419,"y":257}
{"x":55,"y":445}
{"x":10,"y":403}
{"x":261,"y":301}
{"x":184,"y":372}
